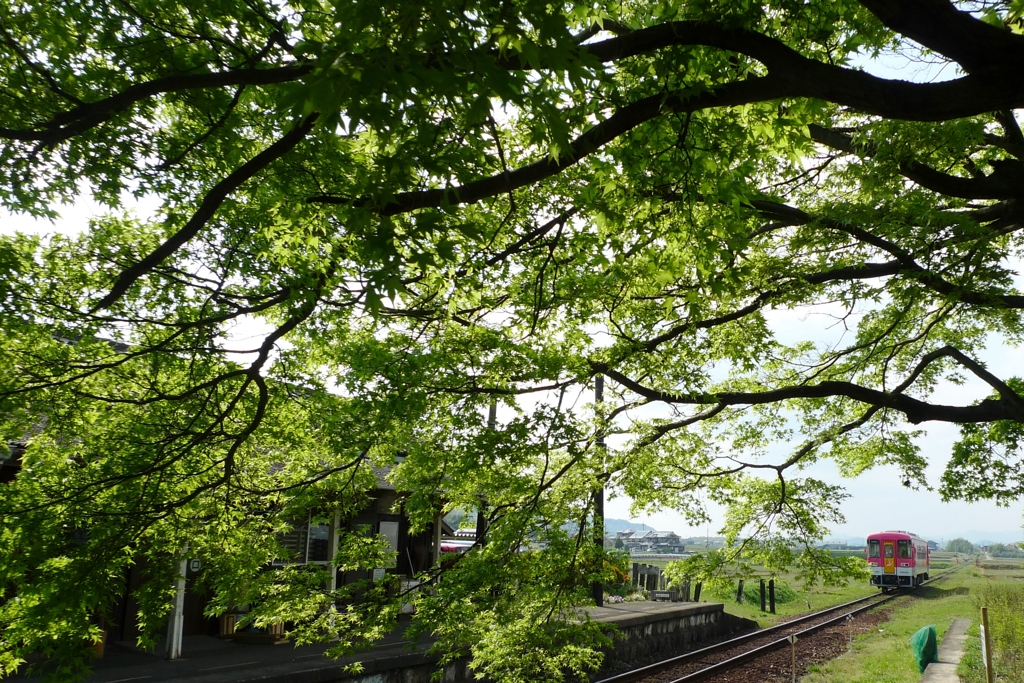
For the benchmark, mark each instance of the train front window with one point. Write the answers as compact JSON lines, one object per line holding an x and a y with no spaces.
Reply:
{"x":904,"y":550}
{"x":888,"y":550}
{"x":873,"y":548}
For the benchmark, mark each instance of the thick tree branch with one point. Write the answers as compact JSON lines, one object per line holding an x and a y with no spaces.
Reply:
{"x":211,"y":202}
{"x":915,"y":410}
{"x":622,"y":121}
{"x":1014,"y":135}
{"x":996,"y":186}
{"x":73,"y":122}
{"x":1000,"y":89}
{"x":976,"y":45}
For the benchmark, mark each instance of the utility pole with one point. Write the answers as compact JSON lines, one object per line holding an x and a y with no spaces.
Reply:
{"x":598,"y":587}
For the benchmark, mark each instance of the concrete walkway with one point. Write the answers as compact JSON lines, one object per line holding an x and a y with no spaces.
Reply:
{"x":951,"y":649}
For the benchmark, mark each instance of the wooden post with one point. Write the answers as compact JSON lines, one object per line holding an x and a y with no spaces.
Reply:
{"x":696,"y":592}
{"x":771,"y":595}
{"x":792,"y":642}
{"x":332,"y":550}
{"x":686,"y":591}
{"x":762,"y":595}
{"x":636,"y":575}
{"x":986,"y":646}
{"x":739,"y":593}
{"x":598,"y":589}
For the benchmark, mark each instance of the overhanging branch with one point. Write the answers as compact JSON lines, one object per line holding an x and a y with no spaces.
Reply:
{"x":916,"y":411}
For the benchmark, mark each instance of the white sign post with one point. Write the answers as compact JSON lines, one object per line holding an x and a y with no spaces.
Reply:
{"x":176,"y":623}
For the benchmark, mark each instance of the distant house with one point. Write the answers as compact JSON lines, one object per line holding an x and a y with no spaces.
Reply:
{"x":932,"y":545}
{"x":665,"y":542}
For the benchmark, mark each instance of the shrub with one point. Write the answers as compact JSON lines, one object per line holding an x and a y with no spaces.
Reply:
{"x":1006,"y":625}
{"x":752,"y":592}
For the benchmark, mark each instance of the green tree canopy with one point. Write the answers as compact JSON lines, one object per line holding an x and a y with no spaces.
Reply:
{"x":379,"y":219}
{"x":1003,"y":550}
{"x":960,"y":545}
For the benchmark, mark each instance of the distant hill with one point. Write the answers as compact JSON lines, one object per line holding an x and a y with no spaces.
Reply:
{"x":611,"y":525}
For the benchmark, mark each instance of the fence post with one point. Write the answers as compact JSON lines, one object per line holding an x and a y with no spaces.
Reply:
{"x":762,"y":595}
{"x":696,"y":592}
{"x":739,"y":593}
{"x":636,"y":575}
{"x":686,"y":591}
{"x":771,"y":595}
{"x":986,"y":646}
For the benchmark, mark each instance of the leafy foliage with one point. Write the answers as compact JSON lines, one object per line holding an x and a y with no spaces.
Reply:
{"x":379,"y":221}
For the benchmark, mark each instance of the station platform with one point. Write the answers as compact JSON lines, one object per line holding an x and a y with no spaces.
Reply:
{"x":645,"y":628}
{"x":648,"y":629}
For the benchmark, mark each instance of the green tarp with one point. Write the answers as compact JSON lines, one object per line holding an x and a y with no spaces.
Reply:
{"x":925,"y":645}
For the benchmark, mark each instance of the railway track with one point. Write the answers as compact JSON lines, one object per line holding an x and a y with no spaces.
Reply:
{"x":714,"y":659}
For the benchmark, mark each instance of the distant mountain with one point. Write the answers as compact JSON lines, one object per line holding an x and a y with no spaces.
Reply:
{"x":611,"y":525}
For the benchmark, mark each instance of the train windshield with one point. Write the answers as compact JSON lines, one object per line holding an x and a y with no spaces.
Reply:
{"x":888,"y":550}
{"x":904,"y":550}
{"x":874,"y":548}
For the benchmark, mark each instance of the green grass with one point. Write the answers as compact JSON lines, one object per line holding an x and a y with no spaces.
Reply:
{"x":809,"y":600}
{"x":884,"y":655}
{"x":1003,"y":594}
{"x":806,"y":600}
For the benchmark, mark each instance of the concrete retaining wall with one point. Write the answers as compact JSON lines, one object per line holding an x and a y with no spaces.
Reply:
{"x":645,"y":629}
{"x":668,"y":627}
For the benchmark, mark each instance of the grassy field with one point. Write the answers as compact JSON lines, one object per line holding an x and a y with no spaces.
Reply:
{"x":809,"y":600}
{"x":884,"y":654}
{"x":804,"y":600}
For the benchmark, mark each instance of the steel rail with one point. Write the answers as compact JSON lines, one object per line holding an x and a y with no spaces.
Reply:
{"x":757,"y":652}
{"x":658,"y":667}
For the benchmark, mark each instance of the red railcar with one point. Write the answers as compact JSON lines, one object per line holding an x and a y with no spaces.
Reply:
{"x":897,"y":559}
